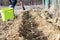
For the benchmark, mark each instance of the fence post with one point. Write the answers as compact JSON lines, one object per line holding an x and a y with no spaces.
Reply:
{"x":43,"y":3}
{"x":54,"y":2}
{"x":46,"y":4}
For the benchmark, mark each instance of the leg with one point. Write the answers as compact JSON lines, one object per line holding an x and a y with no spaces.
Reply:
{"x":12,"y":3}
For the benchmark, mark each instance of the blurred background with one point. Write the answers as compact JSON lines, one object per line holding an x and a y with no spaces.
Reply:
{"x":52,"y":5}
{"x":47,"y":3}
{"x":27,"y":2}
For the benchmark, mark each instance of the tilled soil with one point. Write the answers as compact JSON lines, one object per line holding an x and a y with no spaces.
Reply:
{"x":31,"y":25}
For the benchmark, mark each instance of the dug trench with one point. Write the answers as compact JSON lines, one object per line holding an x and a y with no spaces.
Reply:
{"x":29,"y":29}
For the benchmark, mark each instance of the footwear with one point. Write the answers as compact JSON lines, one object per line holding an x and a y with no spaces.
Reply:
{"x":11,"y":7}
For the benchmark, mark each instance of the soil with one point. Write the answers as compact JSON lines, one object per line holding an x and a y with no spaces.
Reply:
{"x":31,"y":25}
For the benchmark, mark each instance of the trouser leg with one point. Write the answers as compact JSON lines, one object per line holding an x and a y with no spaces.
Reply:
{"x":13,"y":3}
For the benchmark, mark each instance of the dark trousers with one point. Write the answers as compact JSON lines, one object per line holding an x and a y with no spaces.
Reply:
{"x":13,"y":2}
